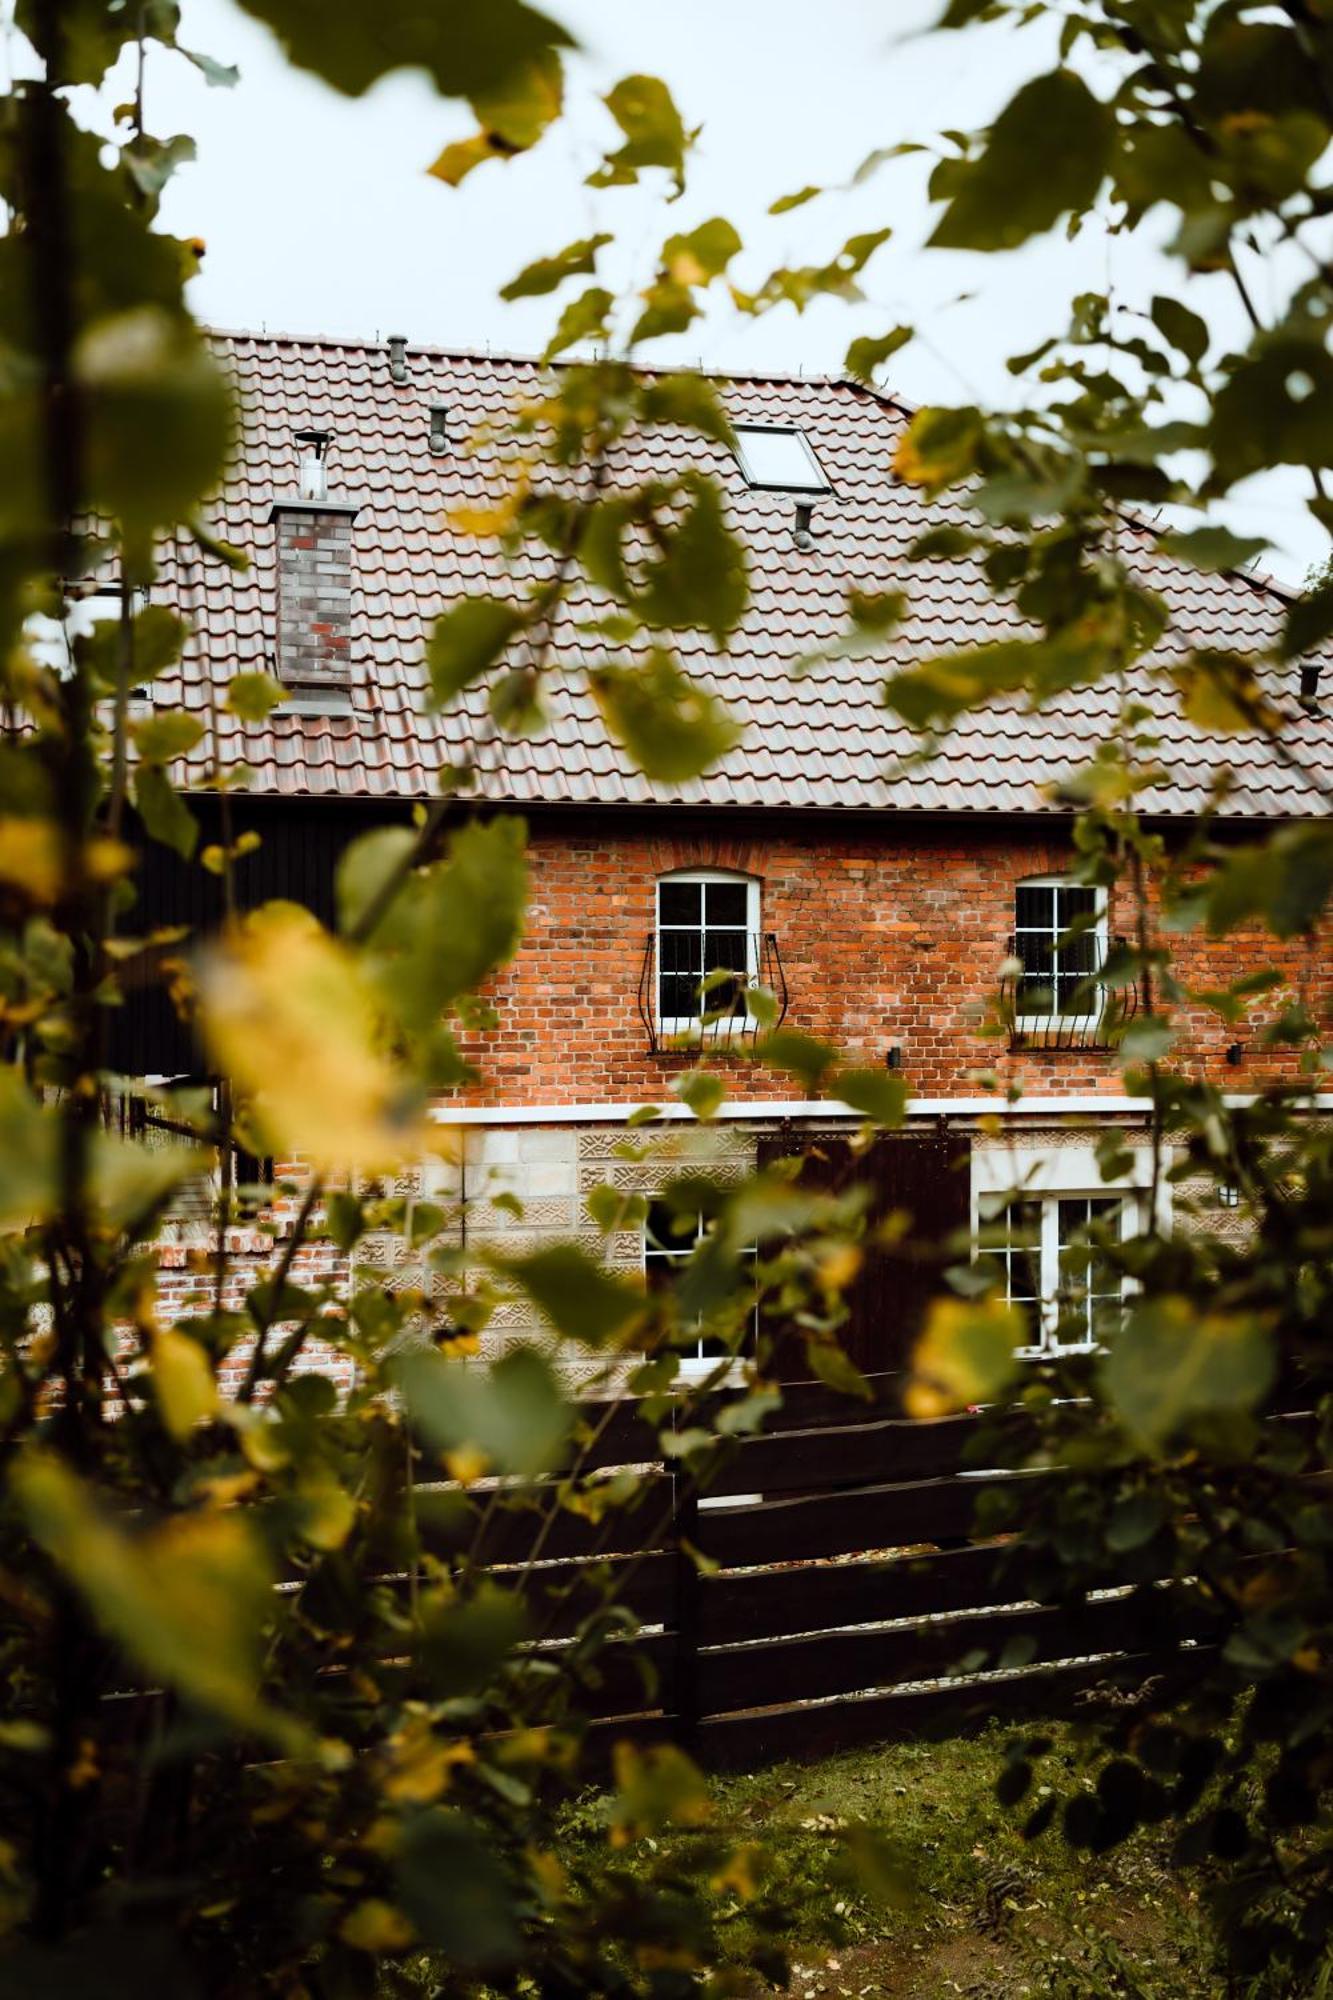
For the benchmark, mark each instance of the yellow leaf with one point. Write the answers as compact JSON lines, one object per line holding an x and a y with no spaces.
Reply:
{"x":966,"y":1354}
{"x":739,"y":1872}
{"x":325,"y":1514}
{"x":423,"y":1764}
{"x":30,"y":857}
{"x":189,"y":1600}
{"x":182,"y":1381}
{"x":456,"y":162}
{"x":105,"y":859}
{"x":375,"y":1925}
{"x":289,"y":1015}
{"x":466,"y":1463}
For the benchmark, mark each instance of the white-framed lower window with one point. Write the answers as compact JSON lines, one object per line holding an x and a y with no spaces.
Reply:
{"x":1052,"y":985}
{"x":707,"y":951}
{"x":669,"y":1241}
{"x":1052,"y":1265}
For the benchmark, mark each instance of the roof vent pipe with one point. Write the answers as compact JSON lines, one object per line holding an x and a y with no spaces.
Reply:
{"x":397,"y":357}
{"x":1310,"y":684}
{"x":314,"y":466}
{"x":439,"y":428}
{"x":803,"y":533}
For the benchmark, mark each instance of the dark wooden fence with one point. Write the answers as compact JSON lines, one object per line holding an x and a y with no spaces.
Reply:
{"x":840,"y":1597}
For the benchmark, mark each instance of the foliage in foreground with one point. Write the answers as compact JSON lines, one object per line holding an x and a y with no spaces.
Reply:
{"x":351,"y":1752}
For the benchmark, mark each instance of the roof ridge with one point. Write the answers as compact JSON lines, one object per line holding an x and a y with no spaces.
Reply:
{"x":380,"y":343}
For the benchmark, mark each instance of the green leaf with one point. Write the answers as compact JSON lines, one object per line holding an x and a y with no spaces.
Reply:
{"x":189,"y":1600}
{"x":514,"y":1412}
{"x":1275,"y":408}
{"x":870,"y":351}
{"x":1211,"y":549}
{"x":787,"y":202}
{"x":583,"y":1301}
{"x":158,"y":418}
{"x":690,"y":401}
{"x":162,"y":738}
{"x":164,"y":813}
{"x":1134,"y":1521}
{"x":548,"y":273}
{"x":702,"y":1092}
{"x":1185,"y":331}
{"x":29,"y":1139}
{"x":450,"y":925}
{"x":467,"y":642}
{"x":585,"y":318}
{"x":253,"y":697}
{"x":700,"y":581}
{"x":364,"y":867}
{"x":1286,"y":881}
{"x":455,"y":1890}
{"x":1308,"y":622}
{"x":221,"y":76}
{"x":1172,"y":1362}
{"x":878,"y":1094}
{"x":1147,"y":1041}
{"x":655,"y":134}
{"x":702,"y":254}
{"x":831,"y":1365}
{"x":940,"y":448}
{"x":671,"y":728}
{"x":802,"y":1056}
{"x":1047,"y":154}
{"x":467,"y":49}
{"x":514,"y":115}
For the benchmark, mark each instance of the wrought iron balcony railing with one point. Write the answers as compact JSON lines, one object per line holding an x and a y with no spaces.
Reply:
{"x":691,"y":990}
{"x":1064,"y":1002}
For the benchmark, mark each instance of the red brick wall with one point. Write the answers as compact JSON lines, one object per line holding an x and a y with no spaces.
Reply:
{"x":888,"y":934}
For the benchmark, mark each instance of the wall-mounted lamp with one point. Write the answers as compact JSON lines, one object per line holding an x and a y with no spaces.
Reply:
{"x":1235,"y":1054}
{"x":893,"y":1057}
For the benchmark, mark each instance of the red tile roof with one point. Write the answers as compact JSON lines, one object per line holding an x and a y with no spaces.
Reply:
{"x":821,"y":741}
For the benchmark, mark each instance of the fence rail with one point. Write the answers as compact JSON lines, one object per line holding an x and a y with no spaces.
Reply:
{"x":840,"y":1596}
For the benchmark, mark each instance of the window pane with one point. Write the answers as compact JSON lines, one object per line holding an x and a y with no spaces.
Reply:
{"x":1034,"y":907}
{"x":1037,"y":953}
{"x":1074,"y":902}
{"x":725,"y":903}
{"x":724,"y":951}
{"x":779,"y":458}
{"x":682,"y":951}
{"x":678,"y":997}
{"x":680,"y":902}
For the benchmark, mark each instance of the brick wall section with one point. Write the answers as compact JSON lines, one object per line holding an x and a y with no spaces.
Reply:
{"x":314,"y":593}
{"x":891,"y":933}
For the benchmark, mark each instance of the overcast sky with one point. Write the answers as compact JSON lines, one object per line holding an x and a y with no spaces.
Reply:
{"x":319,"y":216}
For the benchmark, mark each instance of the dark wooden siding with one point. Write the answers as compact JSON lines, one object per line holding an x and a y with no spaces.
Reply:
{"x":301,"y":840}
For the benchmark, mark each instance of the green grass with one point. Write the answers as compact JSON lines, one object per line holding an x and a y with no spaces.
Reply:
{"x":976,"y":1911}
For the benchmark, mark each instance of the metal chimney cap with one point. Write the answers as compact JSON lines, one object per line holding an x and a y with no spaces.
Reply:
{"x":319,"y":439}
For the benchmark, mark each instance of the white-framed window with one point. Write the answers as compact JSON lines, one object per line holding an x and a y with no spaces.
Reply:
{"x":1053,"y":1266}
{"x":779,"y":458}
{"x":707,"y":951}
{"x":669,"y":1241}
{"x":1060,"y":936}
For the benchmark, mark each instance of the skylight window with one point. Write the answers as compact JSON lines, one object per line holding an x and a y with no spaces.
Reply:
{"x":779,"y":457}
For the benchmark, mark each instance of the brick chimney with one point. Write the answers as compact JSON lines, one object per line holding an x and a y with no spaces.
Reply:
{"x":315,"y":588}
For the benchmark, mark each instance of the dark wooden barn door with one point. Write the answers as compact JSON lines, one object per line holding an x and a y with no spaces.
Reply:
{"x":923,"y":1173}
